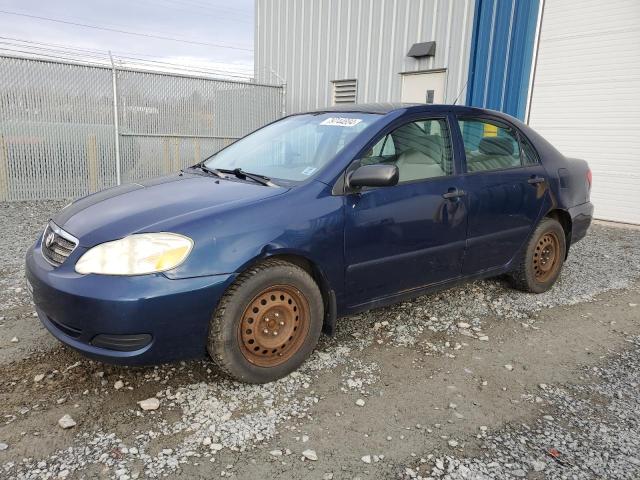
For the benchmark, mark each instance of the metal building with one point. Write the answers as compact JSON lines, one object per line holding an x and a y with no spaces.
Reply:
{"x":319,"y":46}
{"x":570,"y":68}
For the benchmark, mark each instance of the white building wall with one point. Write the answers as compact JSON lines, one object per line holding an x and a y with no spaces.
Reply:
{"x":309,"y":43}
{"x":586,"y":96}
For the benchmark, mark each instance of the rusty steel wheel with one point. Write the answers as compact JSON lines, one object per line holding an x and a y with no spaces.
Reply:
{"x":546,"y":257}
{"x":267,"y":323}
{"x":274,"y":325}
{"x":542,"y":258}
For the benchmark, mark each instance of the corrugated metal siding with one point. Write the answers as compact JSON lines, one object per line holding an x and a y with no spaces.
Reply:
{"x":502,"y":49}
{"x":308,"y":44}
{"x":586,"y":95}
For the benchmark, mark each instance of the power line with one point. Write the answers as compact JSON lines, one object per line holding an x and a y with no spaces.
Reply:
{"x":211,"y":6}
{"x":33,"y":45}
{"x":93,"y":53}
{"x":126,"y":32}
{"x":125,"y":62}
{"x":67,"y":47}
{"x":53,"y":56}
{"x":100,"y":58}
{"x":218,"y":12}
{"x":104,"y":63}
{"x":232,"y":73}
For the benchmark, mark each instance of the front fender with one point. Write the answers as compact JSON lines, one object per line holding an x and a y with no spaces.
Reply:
{"x":306,"y":221}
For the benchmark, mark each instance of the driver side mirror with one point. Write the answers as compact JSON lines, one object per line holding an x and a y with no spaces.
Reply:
{"x":374,"y":176}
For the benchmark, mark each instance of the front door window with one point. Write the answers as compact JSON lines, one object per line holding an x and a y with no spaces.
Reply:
{"x":421,"y":150}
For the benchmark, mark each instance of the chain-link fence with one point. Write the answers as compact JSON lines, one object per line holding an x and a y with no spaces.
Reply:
{"x":59,"y":137}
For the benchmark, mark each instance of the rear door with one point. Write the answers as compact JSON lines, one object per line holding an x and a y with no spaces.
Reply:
{"x":506,"y":192}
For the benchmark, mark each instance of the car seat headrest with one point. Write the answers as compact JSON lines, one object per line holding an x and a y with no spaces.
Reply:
{"x":496,"y":146}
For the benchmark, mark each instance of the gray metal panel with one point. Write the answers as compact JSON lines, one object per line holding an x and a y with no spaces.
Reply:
{"x":309,"y":44}
{"x":57,"y":136}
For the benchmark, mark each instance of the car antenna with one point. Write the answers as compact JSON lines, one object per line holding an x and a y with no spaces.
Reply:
{"x":462,"y":89}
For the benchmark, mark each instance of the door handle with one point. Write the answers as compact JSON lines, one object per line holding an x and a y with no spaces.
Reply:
{"x":453,"y":194}
{"x":535,"y":180}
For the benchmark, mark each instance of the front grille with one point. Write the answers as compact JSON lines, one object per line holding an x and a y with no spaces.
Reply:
{"x":57,"y":244}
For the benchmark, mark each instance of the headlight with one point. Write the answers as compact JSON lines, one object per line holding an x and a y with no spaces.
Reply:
{"x":136,"y":254}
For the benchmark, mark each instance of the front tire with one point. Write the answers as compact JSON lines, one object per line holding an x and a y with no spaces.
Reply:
{"x":267,"y":323}
{"x":542,"y":260}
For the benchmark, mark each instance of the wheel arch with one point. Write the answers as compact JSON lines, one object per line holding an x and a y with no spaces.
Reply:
{"x":564,"y":219}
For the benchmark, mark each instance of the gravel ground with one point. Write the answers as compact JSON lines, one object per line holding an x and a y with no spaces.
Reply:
{"x":585,"y":441}
{"x":20,"y":224}
{"x":341,"y":415}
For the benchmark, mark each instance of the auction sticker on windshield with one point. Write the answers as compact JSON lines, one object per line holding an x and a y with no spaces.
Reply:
{"x":341,"y":122}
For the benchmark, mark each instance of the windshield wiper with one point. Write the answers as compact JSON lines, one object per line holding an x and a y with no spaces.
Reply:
{"x":261,"y":179}
{"x":214,"y":171}
{"x":239,"y":173}
{"x":242,"y":175}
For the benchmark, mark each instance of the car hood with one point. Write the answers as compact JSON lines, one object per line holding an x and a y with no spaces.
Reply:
{"x":155,"y":204}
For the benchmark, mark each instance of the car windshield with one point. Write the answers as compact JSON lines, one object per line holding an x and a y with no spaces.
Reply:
{"x":294,"y":148}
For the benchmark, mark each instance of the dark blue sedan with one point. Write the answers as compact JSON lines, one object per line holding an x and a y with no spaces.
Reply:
{"x":250,"y":254}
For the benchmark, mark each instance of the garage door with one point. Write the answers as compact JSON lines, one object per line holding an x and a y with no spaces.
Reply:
{"x":586,"y":95}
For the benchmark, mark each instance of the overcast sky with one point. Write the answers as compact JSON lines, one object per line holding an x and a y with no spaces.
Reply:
{"x":221,"y":22}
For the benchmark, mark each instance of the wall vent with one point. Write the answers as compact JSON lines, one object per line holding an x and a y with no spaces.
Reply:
{"x":345,"y":91}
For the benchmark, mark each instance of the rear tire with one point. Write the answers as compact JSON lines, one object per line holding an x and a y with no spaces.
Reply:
{"x":542,"y":260}
{"x":267,"y":323}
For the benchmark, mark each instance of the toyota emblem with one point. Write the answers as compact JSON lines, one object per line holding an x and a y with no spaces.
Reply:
{"x":49,"y":239}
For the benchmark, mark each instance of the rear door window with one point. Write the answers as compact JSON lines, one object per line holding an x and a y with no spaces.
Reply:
{"x":489,"y":146}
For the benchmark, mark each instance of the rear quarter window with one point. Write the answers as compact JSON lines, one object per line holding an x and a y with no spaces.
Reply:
{"x":529,"y":154}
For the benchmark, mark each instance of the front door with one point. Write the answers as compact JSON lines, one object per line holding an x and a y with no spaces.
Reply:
{"x":406,"y":236}
{"x":506,"y":192}
{"x":424,"y":87}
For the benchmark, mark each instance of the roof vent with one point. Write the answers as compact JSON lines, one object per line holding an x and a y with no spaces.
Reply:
{"x":345,"y":91}
{"x":424,"y":49}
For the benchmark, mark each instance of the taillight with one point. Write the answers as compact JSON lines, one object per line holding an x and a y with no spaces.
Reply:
{"x":589,"y":177}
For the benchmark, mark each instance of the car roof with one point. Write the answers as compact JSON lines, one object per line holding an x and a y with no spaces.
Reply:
{"x":368,"y":107}
{"x":385,"y":108}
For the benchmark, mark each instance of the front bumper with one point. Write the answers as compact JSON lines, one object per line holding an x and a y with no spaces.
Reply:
{"x":136,"y":320}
